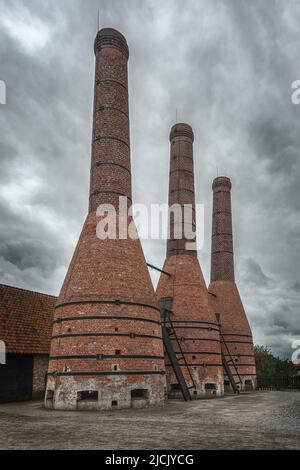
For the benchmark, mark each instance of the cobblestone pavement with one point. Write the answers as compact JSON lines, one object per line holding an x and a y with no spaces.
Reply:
{"x":259,"y":420}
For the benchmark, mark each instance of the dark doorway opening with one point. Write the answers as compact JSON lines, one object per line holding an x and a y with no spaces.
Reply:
{"x":139,"y":393}
{"x":210,"y":389}
{"x":248,"y":385}
{"x":227,"y":386}
{"x":16,"y":377}
{"x":175,"y":387}
{"x":87,"y":395}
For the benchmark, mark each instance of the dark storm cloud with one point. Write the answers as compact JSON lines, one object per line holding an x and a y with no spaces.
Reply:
{"x":225,"y":67}
{"x":296,"y":286}
{"x":278,"y":143}
{"x":28,"y":254}
{"x":254,"y":274}
{"x":7,"y":155}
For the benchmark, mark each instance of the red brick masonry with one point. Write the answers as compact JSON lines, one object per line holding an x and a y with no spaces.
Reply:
{"x":106,"y":349}
{"x":226,"y":300}
{"x":193,"y":316}
{"x":40,"y":367}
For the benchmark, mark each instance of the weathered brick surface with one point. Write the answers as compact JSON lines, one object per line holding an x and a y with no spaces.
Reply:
{"x":40,"y":366}
{"x":226,"y":300}
{"x":110,"y":171}
{"x":107,"y":333}
{"x":193,"y":316}
{"x":181,"y":183}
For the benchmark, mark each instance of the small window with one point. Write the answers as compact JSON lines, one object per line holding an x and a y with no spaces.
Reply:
{"x":193,"y":357}
{"x":87,"y":395}
{"x":115,"y":367}
{"x":175,"y":387}
{"x":210,"y":386}
{"x":248,"y":385}
{"x":50,"y":394}
{"x":118,"y":352}
{"x":218,"y":317}
{"x":114,"y":403}
{"x":195,"y":392}
{"x":139,"y":393}
{"x":116,"y":329}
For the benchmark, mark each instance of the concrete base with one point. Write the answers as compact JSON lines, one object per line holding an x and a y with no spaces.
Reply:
{"x":92,"y":394}
{"x":208,"y":389}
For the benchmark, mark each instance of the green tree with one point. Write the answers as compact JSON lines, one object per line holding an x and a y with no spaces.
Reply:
{"x":268,"y":365}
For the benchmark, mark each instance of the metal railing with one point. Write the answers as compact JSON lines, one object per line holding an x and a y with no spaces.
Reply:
{"x":278,"y":383}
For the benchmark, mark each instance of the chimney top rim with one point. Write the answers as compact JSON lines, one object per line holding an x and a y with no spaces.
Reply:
{"x":104,"y":34}
{"x":221,"y":181}
{"x":181,"y":129}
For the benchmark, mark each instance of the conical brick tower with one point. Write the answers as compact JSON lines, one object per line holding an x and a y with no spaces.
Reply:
{"x":237,"y":342}
{"x":198,"y":348}
{"x":106,"y":349}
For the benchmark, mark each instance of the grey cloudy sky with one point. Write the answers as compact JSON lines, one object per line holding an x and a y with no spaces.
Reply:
{"x":226,"y":66}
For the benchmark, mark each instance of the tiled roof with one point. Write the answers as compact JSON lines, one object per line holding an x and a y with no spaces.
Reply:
{"x":25,"y":320}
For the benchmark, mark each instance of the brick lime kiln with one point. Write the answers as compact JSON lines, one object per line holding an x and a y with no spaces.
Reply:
{"x":183,"y":295}
{"x":236,"y":335}
{"x":106,"y":348}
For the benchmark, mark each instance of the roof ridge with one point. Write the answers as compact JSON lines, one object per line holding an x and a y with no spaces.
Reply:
{"x":27,"y":290}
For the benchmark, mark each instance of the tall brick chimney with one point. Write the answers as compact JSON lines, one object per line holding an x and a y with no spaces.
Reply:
{"x":181,"y":185}
{"x":237,"y":342}
{"x":106,"y":349}
{"x":185,"y":291}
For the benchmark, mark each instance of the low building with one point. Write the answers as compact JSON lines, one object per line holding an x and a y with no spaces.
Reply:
{"x":25,"y":330}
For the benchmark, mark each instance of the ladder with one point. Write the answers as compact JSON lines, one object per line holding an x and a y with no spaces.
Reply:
{"x":226,"y":365}
{"x":168,"y":331}
{"x":175,"y":365}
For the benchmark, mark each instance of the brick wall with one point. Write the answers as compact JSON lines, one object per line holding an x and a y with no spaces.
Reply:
{"x":40,"y":366}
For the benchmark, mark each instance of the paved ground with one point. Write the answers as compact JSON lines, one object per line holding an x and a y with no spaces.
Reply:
{"x":260,"y":420}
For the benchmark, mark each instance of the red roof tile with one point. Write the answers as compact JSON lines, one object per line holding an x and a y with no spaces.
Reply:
{"x":26,"y":320}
